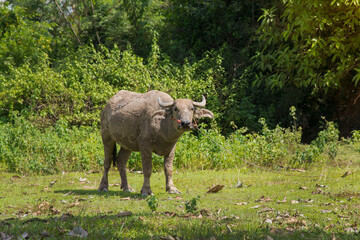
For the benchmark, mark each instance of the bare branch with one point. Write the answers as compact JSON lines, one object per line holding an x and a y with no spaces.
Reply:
{"x":64,"y":16}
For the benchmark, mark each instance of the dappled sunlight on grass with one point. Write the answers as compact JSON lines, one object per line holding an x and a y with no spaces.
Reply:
{"x":266,"y":203}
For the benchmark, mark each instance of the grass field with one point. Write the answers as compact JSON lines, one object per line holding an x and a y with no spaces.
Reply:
{"x":268,"y":206}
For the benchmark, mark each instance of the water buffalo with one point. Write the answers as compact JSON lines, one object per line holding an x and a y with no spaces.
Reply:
{"x":148,"y":122}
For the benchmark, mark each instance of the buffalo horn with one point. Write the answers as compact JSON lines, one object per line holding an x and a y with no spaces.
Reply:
{"x":165,"y":104}
{"x":200,"y":104}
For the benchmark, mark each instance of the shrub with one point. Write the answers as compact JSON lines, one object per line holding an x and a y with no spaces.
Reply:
{"x":324,"y":145}
{"x":24,"y":148}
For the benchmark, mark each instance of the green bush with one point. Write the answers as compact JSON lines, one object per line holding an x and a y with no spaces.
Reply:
{"x":77,"y":89}
{"x":326,"y":144}
{"x":24,"y":148}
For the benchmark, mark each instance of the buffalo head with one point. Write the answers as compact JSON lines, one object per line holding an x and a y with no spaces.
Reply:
{"x":183,"y":111}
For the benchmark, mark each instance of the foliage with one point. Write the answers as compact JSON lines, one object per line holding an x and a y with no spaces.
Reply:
{"x":192,"y":205}
{"x":78,"y":89}
{"x":22,"y":41}
{"x":309,"y":43}
{"x":152,"y":202}
{"x":29,"y":205}
{"x":24,"y":148}
{"x":325,"y":143}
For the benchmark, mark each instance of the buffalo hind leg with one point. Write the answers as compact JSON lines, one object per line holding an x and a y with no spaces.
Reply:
{"x":147,"y":170}
{"x":122,"y":159}
{"x":109,"y":149}
{"x":168,"y":167}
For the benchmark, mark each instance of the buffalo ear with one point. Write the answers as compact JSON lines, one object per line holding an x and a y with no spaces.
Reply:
{"x":201,"y":113}
{"x":161,"y":113}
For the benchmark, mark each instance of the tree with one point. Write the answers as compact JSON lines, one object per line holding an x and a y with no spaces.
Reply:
{"x":314,"y":44}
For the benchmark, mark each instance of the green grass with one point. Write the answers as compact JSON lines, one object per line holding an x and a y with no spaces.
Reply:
{"x":29,"y":205}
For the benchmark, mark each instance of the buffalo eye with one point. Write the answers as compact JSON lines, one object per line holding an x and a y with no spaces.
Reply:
{"x":192,"y":109}
{"x":176,"y":109}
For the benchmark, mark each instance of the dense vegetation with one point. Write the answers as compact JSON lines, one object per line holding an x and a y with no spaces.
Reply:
{"x":61,"y":60}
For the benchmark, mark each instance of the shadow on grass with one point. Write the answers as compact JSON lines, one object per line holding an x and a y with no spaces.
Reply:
{"x":148,"y":225}
{"x":99,"y":193}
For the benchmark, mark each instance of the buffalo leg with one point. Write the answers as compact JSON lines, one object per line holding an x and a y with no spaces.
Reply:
{"x":109,"y":148}
{"x":122,"y":160}
{"x":168,"y":167}
{"x":147,"y":170}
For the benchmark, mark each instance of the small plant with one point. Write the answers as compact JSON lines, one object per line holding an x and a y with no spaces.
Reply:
{"x":191,"y":206}
{"x":152,"y":203}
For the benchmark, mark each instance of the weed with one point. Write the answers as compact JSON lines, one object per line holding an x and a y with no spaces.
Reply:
{"x":192,"y":205}
{"x":152,"y":202}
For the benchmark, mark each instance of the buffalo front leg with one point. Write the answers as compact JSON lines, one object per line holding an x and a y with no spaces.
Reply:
{"x":147,"y":170}
{"x":168,"y":167}
{"x":122,"y":160}
{"x":110,"y":153}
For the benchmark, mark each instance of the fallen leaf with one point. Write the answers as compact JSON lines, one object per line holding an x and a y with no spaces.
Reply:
{"x":92,"y":171}
{"x":295,"y":222}
{"x":241,"y":203}
{"x":268,"y":221}
{"x":205,"y":212}
{"x":294,"y":202}
{"x":282,"y":201}
{"x":124,"y":199}
{"x":169,"y":214}
{"x":124,"y":214}
{"x":73,"y":204}
{"x":115,"y":184}
{"x":54,"y":211}
{"x":264,"y":199}
{"x":66,"y":216}
{"x":44,"y":206}
{"x":257,"y":206}
{"x":25,"y":235}
{"x":329,"y":226}
{"x":240,"y":185}
{"x":82,"y":199}
{"x":15,"y":177}
{"x":354,"y":225}
{"x":352,"y":230}
{"x":318,"y":191}
{"x":320,"y":185}
{"x":68,"y":193}
{"x":167,"y":237}
{"x":346,"y":174}
{"x":52,"y":183}
{"x":4,"y":236}
{"x":215,"y":189}
{"x":289,"y":229}
{"x":78,"y":232}
{"x":325,"y":211}
{"x":302,"y":188}
{"x":44,"y":234}
{"x":266,"y":210}
{"x":306,"y":200}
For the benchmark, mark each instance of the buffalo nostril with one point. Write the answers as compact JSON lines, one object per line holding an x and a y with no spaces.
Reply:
{"x":185,"y":123}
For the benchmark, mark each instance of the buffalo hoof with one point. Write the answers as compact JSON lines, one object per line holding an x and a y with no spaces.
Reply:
{"x":103,"y":189}
{"x":173,"y":190}
{"x":145,"y":193}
